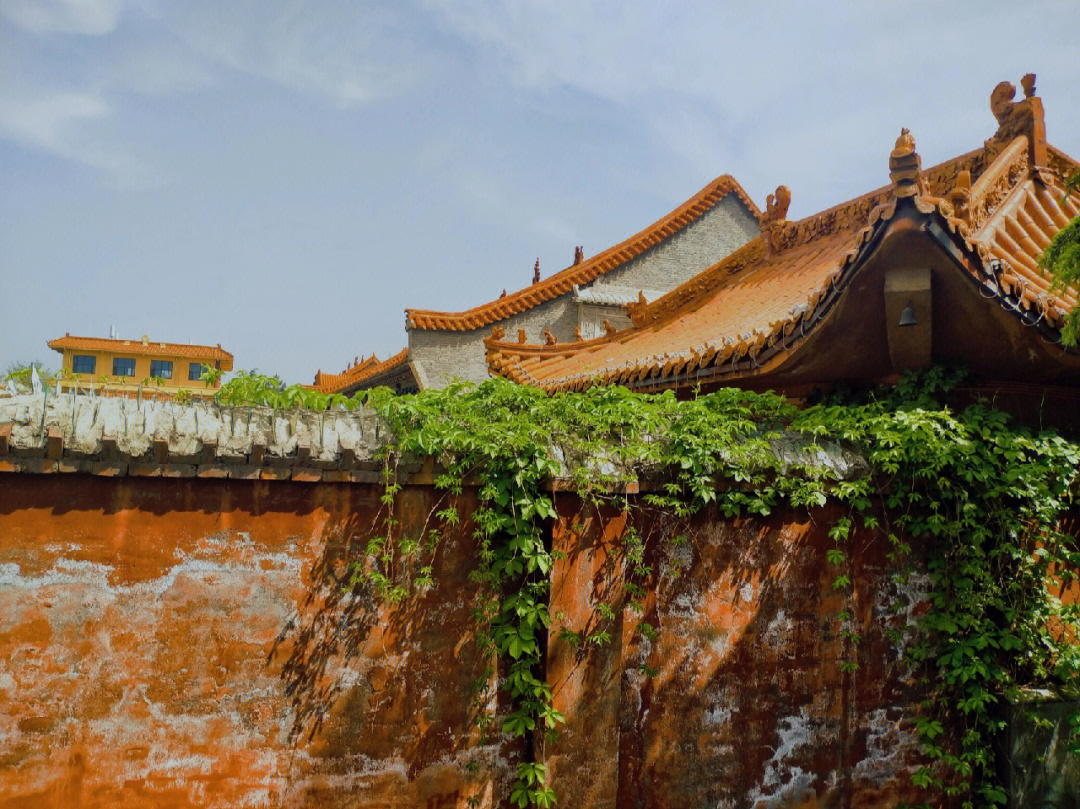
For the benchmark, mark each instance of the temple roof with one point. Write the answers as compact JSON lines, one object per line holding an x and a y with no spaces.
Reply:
{"x":744,"y":315}
{"x":361,"y":371}
{"x":144,"y":347}
{"x":585,"y":271}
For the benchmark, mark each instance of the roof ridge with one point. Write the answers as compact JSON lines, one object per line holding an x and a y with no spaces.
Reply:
{"x":589,"y":269}
{"x":354,"y":368}
{"x":335,"y":383}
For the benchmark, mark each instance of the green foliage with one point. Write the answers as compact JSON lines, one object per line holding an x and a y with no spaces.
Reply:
{"x":252,"y":388}
{"x":21,"y":373}
{"x":1062,"y":261}
{"x":978,"y":495}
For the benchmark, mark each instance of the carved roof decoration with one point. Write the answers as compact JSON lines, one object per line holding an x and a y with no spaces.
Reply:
{"x":742,"y":316}
{"x":583,"y":270}
{"x":144,"y":347}
{"x":360,"y":372}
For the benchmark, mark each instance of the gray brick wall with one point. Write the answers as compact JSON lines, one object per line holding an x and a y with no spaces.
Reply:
{"x":721,"y":231}
{"x":439,"y":357}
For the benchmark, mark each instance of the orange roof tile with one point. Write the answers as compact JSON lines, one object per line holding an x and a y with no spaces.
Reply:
{"x":1025,"y":218}
{"x":741,"y":315}
{"x":588,"y":270}
{"x":364,"y":370}
{"x":148,"y":348}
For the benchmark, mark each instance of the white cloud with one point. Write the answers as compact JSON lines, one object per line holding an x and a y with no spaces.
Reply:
{"x":157,"y":68}
{"x":355,"y":54}
{"x":56,"y":123}
{"x":88,"y":17}
{"x":46,"y":122}
{"x":780,"y":92}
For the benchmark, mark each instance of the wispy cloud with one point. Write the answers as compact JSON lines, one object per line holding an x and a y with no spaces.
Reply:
{"x":158,"y":67}
{"x":61,"y":123}
{"x":350,"y":57}
{"x":87,"y":17}
{"x":773,"y":92}
{"x":356,"y":54}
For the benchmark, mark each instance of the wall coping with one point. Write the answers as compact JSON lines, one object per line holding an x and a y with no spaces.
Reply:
{"x":77,"y":433}
{"x":118,"y":437}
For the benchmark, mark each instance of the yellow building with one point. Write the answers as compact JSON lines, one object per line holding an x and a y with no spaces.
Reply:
{"x":125,"y":366}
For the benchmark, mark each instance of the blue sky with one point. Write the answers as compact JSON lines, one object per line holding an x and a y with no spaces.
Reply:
{"x":284,"y":178}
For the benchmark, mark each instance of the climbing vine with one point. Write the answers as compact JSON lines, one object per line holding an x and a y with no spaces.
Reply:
{"x":970,"y":498}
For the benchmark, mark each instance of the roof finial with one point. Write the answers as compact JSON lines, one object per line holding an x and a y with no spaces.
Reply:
{"x":549,"y":338}
{"x":497,"y":332}
{"x":577,"y":333}
{"x":579,"y":254}
{"x":775,"y":215}
{"x":905,"y":166}
{"x":521,"y":336}
{"x":1017,"y":118}
{"x":503,"y":295}
{"x":536,"y":272}
{"x":905,"y":144}
{"x":776,"y":205}
{"x":609,"y":329}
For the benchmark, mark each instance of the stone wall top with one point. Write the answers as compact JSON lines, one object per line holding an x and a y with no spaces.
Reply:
{"x":79,"y":433}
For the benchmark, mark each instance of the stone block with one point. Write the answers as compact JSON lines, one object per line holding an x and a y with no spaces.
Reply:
{"x":54,"y":444}
{"x":144,"y":470}
{"x":178,"y":470}
{"x":111,"y":469}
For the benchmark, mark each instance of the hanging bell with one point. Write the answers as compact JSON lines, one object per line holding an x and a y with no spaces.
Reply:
{"x":907,"y":316}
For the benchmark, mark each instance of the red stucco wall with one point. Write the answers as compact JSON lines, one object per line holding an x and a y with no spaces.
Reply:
{"x":161,"y":641}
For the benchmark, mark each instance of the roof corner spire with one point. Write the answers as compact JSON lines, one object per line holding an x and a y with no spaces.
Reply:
{"x":905,"y":166}
{"x":536,"y":272}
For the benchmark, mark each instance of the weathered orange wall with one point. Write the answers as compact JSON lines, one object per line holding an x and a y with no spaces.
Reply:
{"x":140,"y":663}
{"x":160,"y":640}
{"x":748,"y":706}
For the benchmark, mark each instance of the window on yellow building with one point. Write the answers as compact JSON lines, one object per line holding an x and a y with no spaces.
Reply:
{"x":162,"y":368}
{"x":123,"y":366}
{"x":195,"y":371}
{"x":83,"y":364}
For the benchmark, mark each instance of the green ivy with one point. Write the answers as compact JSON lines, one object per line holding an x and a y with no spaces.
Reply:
{"x":980,"y":496}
